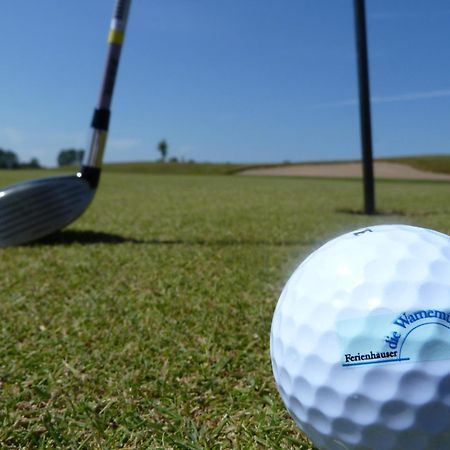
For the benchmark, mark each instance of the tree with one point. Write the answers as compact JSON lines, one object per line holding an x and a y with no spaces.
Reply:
{"x":8,"y":159}
{"x":70,"y":157}
{"x":32,"y":164}
{"x":162,"y":148}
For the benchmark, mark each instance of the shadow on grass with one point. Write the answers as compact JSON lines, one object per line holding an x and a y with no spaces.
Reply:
{"x":379,"y":213}
{"x":393,"y":212}
{"x":84,"y":237}
{"x":87,"y":237}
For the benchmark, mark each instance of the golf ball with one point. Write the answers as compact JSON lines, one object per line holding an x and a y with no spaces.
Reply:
{"x":360,"y":341}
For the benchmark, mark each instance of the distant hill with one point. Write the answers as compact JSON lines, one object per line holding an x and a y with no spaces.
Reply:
{"x":431,"y":163}
{"x":176,"y":168}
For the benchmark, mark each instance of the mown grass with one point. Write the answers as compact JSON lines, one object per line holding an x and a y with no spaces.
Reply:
{"x":176,"y":168}
{"x":146,"y":323}
{"x":432,"y":163}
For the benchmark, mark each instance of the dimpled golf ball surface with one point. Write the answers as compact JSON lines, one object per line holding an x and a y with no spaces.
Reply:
{"x":360,"y":341}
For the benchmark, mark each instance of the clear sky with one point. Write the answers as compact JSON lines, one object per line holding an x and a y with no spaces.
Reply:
{"x":226,"y":80}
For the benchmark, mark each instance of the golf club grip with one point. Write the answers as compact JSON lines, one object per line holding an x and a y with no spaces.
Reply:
{"x":100,"y":120}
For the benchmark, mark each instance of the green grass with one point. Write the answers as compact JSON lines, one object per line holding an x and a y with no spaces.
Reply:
{"x":155,"y":168}
{"x":146,"y":323}
{"x":432,"y":163}
{"x":176,"y":168}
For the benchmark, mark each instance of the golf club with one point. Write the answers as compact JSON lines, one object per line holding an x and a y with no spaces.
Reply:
{"x":33,"y":209}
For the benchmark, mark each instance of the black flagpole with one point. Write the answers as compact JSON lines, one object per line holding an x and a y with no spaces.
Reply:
{"x":364,"y":106}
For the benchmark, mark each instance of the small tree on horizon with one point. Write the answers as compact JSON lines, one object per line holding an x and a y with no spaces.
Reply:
{"x":162,"y":148}
{"x":8,"y":159}
{"x":70,"y":157}
{"x":32,"y":164}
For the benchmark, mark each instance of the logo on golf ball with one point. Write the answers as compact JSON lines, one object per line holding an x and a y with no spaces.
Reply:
{"x":422,"y":335}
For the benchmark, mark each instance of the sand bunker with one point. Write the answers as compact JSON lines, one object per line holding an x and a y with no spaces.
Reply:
{"x":348,"y":170}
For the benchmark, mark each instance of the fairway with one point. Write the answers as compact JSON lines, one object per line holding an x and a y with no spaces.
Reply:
{"x":146,"y":323}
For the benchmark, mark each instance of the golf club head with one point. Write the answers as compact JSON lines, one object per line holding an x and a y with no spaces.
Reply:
{"x":33,"y":209}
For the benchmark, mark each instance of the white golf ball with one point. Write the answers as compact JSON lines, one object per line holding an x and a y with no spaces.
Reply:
{"x":360,"y":341}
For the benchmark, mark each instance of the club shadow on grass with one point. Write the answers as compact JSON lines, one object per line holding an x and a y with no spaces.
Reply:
{"x":89,"y":237}
{"x":84,"y":237}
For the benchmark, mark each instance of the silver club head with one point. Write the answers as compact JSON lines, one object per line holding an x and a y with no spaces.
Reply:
{"x":33,"y":209}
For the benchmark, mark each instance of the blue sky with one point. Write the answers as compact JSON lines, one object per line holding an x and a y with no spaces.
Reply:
{"x":229,"y":80}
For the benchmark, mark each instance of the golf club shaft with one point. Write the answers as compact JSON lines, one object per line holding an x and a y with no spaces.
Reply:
{"x":100,"y":120}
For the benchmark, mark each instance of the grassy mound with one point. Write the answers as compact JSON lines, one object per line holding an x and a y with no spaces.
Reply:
{"x":432,"y":163}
